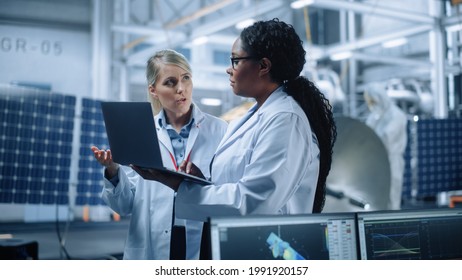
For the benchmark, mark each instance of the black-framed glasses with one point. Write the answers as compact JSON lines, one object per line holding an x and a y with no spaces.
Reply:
{"x":235,"y":60}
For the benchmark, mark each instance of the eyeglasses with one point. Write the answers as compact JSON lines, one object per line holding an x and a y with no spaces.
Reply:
{"x":235,"y":60}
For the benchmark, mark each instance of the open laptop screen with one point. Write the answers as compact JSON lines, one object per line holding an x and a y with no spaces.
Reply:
{"x":132,"y":137}
{"x":311,"y":236}
{"x":410,"y":234}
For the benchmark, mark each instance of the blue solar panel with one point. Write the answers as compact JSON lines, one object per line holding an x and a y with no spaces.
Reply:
{"x":90,"y":174}
{"x":6,"y":196}
{"x":33,"y":133}
{"x":439,"y":162}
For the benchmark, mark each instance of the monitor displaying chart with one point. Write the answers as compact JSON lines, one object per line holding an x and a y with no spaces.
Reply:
{"x":429,"y":234}
{"x":299,"y":237}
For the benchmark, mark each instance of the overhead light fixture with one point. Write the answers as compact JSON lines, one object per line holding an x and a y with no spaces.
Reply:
{"x":301,"y":3}
{"x":341,"y":56}
{"x":243,"y":24}
{"x":211,"y":101}
{"x":200,"y":40}
{"x":394,"y":43}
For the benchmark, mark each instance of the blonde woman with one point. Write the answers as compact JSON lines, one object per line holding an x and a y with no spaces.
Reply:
{"x":186,"y":134}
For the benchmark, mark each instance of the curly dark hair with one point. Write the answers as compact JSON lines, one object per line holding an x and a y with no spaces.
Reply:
{"x":278,"y":42}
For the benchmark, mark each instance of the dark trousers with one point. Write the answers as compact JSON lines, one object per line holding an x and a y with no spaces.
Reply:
{"x":206,"y":250}
{"x":178,"y":243}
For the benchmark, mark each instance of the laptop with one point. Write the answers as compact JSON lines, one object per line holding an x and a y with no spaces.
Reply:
{"x":324,"y":236}
{"x":132,"y":137}
{"x":412,"y":234}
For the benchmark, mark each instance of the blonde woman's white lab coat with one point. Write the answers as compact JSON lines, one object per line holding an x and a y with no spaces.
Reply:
{"x":150,"y":204}
{"x":268,"y":164}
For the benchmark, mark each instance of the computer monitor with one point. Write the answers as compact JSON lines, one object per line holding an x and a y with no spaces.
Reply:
{"x":410,"y":234}
{"x":311,"y":236}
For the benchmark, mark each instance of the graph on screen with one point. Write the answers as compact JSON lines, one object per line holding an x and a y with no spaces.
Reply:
{"x":412,"y":234}
{"x":303,"y":237}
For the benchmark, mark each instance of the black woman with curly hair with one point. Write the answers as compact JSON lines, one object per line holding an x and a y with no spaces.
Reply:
{"x":275,"y":159}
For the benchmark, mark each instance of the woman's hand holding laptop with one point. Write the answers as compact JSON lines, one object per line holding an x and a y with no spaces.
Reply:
{"x":172,"y":182}
{"x":190,"y":168}
{"x":167,"y":179}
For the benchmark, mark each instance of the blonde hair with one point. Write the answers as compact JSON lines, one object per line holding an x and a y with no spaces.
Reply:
{"x":154,"y":65}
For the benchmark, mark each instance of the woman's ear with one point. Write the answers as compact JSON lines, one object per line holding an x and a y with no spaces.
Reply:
{"x":265,"y":66}
{"x":152,"y":91}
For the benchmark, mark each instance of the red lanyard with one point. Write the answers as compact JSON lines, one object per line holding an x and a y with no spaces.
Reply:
{"x":174,"y":161}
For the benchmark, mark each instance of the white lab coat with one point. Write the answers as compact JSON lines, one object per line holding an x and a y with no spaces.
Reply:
{"x":268,"y":164}
{"x":390,"y":123}
{"x":150,"y":203}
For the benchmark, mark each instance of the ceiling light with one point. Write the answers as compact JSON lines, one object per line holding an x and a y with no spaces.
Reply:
{"x":200,"y":40}
{"x":341,"y":56}
{"x":243,"y":24}
{"x":394,"y":43}
{"x":301,"y":3}
{"x":211,"y":101}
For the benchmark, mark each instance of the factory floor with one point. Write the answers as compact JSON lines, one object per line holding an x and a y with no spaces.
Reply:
{"x":84,"y":240}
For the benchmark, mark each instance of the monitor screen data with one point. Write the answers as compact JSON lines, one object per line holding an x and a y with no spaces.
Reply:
{"x":310,"y":237}
{"x":419,"y":234}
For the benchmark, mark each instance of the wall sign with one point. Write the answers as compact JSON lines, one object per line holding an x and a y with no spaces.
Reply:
{"x":57,"y":57}
{"x":22,"y":45}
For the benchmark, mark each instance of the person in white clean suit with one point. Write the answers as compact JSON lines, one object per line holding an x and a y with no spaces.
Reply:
{"x":389,"y":123}
{"x":186,"y":134}
{"x":276,"y":158}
